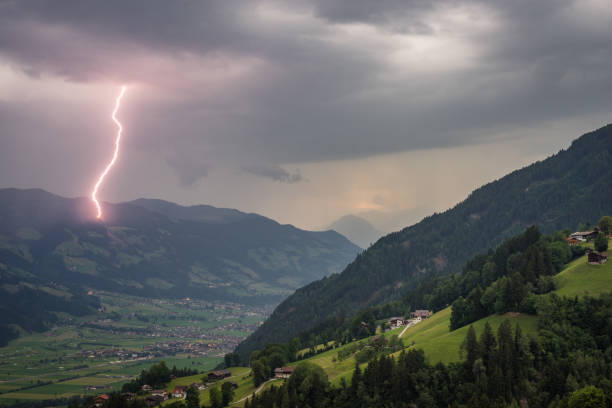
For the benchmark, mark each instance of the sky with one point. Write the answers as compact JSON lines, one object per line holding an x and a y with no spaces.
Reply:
{"x":302,"y":111}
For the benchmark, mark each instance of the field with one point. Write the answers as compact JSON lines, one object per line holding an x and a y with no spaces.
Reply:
{"x":99,"y":353}
{"x":579,"y":278}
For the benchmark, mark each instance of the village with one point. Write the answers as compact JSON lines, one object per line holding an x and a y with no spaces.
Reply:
{"x":154,"y":397}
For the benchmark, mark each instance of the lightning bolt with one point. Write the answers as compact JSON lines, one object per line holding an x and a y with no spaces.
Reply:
{"x":115,"y":154}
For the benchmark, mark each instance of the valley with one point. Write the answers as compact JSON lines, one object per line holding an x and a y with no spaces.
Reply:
{"x":98,"y":353}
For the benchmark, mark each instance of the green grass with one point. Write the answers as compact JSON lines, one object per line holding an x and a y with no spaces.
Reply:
{"x":580,"y":279}
{"x":431,"y":335}
{"x":441,"y":345}
{"x":240,"y":375}
{"x":54,"y":355}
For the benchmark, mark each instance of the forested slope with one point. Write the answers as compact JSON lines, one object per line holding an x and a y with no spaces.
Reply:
{"x":569,"y":188}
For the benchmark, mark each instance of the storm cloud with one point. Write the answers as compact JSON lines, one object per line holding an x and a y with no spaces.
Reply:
{"x":216,"y":84}
{"x":275,"y":173}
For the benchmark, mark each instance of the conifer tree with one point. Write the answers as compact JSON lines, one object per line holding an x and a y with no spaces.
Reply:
{"x":472,"y":349}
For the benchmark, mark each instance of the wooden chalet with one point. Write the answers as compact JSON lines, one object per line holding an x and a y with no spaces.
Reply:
{"x":179,"y":391}
{"x":596,"y":258}
{"x":100,"y":400}
{"x":420,"y":314}
{"x":160,"y":393}
{"x":585,"y":235}
{"x":219,"y":375}
{"x":283,"y":372}
{"x":396,"y":322}
{"x":153,"y":400}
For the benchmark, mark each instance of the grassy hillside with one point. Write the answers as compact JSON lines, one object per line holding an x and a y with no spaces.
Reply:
{"x":431,"y":335}
{"x":579,"y":278}
{"x":441,"y":345}
{"x":571,"y":187}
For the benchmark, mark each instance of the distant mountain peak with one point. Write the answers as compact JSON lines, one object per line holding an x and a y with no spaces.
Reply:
{"x":356,"y":229}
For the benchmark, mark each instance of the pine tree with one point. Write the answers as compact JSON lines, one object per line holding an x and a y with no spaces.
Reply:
{"x":487,"y":344}
{"x":504,"y":357}
{"x":193,"y":398}
{"x":472,"y":349}
{"x":601,"y":242}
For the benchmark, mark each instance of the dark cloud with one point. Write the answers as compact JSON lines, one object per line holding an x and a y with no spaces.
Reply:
{"x":274,"y":172}
{"x":307,"y":81}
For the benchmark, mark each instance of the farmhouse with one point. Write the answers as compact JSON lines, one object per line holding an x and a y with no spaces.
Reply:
{"x":596,"y":258}
{"x":153,"y":400}
{"x":572,"y":241}
{"x":129,"y":396}
{"x":219,"y":375}
{"x":100,"y":399}
{"x":179,"y":392}
{"x":160,"y":393}
{"x":198,"y":386}
{"x":585,"y":235}
{"x":283,"y":372}
{"x":420,"y":314}
{"x":396,"y":322}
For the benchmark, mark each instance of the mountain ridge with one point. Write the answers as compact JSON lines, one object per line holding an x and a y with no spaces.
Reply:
{"x":568,"y":188}
{"x":48,"y":241}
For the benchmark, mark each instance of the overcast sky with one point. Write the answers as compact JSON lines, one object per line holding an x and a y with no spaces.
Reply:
{"x":302,"y":111}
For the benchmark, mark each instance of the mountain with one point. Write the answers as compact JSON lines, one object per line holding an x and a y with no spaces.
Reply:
{"x":358,"y":230}
{"x":569,"y":188}
{"x":205,"y":213}
{"x":51,"y":246}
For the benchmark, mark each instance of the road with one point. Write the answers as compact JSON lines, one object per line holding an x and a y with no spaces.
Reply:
{"x":257,"y":391}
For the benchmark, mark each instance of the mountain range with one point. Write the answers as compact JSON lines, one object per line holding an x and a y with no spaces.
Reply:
{"x":52,"y":248}
{"x":569,"y":188}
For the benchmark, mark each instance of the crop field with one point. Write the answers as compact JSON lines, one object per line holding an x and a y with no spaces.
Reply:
{"x":95,"y":354}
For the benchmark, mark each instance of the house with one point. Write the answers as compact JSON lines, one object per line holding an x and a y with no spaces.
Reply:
{"x":147,"y":388}
{"x":100,"y":399}
{"x":420,"y":314}
{"x":572,"y":241}
{"x":179,"y":391}
{"x":153,"y":400}
{"x":198,"y":386}
{"x":219,"y":375}
{"x":160,"y":393}
{"x":596,"y":258}
{"x":283,"y":372}
{"x":396,"y":322}
{"x":128,"y":395}
{"x":585,"y":235}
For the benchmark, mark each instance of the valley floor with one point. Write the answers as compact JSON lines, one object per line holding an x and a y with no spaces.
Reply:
{"x":99,"y":353}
